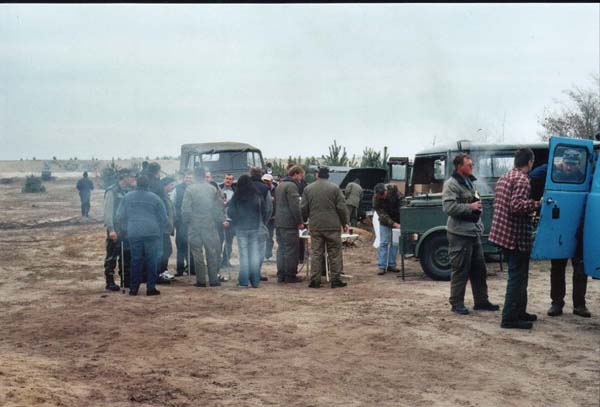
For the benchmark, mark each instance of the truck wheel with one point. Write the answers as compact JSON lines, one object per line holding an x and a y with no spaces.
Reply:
{"x":435,"y":257}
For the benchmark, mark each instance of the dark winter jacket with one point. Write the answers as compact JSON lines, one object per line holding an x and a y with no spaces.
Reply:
{"x":85,"y":186}
{"x":388,"y":208}
{"x":247,"y":214}
{"x":143,"y":214}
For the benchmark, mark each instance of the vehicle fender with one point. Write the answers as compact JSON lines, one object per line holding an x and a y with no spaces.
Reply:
{"x":425,"y":235}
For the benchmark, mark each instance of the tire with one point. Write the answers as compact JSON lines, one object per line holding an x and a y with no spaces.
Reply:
{"x":434,"y":257}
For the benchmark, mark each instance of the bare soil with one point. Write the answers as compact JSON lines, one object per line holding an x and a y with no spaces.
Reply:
{"x":381,"y":341}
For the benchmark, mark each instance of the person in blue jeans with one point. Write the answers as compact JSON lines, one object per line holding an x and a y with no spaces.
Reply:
{"x":248,"y":212}
{"x":144,"y":216}
{"x":386,"y":202}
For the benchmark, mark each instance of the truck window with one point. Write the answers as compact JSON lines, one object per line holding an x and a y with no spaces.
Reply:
{"x":492,"y":166}
{"x":570,"y":165}
{"x":439,"y":169}
{"x":398,"y":172}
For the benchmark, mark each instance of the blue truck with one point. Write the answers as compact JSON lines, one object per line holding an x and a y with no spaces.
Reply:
{"x":570,"y":211}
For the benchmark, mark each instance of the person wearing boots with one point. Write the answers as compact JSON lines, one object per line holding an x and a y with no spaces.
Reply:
{"x":181,"y":238}
{"x":202,"y":210}
{"x":324,"y":206}
{"x":144,"y":217}
{"x":288,"y":220}
{"x":461,"y":202}
{"x":512,"y":230}
{"x":114,"y":236}
{"x":353,"y":193}
{"x":85,"y":187}
{"x":386,"y":202}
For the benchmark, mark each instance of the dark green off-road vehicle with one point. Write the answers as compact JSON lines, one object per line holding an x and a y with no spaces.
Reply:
{"x":421,"y":216}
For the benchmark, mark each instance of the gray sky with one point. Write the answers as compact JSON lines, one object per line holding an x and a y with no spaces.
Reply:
{"x":137,"y":80}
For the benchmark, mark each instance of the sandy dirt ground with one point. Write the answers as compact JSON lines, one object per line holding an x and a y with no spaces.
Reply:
{"x":381,"y":341}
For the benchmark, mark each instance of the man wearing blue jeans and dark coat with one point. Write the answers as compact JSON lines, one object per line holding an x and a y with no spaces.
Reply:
{"x":512,"y":230}
{"x":386,"y":202}
{"x":144,"y":216}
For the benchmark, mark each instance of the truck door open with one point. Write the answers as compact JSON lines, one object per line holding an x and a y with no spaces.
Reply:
{"x":591,"y":229}
{"x":565,"y":195}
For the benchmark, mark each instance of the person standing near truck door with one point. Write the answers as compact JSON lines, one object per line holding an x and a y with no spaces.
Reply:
{"x":512,"y":230}
{"x":460,"y":201}
{"x":386,"y":202}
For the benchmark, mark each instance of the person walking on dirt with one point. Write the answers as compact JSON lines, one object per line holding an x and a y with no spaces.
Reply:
{"x":248,"y":213}
{"x":144,"y":216}
{"x":461,"y":202}
{"x":114,"y":236}
{"x":288,"y":220}
{"x":353,"y":193}
{"x":202,"y":210}
{"x":323,"y":204}
{"x":386,"y":202}
{"x":85,"y":187}
{"x":181,"y":234}
{"x":512,"y":230}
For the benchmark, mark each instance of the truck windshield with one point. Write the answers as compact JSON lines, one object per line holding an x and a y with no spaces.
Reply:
{"x":486,"y":165}
{"x":227,"y":161}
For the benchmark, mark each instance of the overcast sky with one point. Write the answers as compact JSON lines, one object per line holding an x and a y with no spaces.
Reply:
{"x":136,"y":80}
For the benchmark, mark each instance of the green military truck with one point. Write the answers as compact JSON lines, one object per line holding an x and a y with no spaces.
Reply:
{"x":423,"y":221}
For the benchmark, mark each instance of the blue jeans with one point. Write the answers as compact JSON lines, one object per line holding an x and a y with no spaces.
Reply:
{"x":387,"y":251}
{"x":145,"y":253}
{"x":249,"y":243}
{"x":515,"y":303}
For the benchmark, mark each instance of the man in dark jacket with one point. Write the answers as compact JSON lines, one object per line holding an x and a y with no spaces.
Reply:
{"x":323,"y":204}
{"x":112,"y":199}
{"x":265,"y":193}
{"x":85,"y":187}
{"x":267,"y":179}
{"x":288,"y":220}
{"x":386,"y":202}
{"x":460,"y":200}
{"x":145,"y":218}
{"x":181,"y":234}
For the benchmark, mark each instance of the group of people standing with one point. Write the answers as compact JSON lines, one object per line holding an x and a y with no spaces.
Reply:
{"x":512,"y":232}
{"x":140,"y":218}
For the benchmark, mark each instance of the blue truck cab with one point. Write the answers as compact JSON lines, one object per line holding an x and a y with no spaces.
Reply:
{"x":569,"y":223}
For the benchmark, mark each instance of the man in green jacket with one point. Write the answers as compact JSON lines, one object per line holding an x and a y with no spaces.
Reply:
{"x":353,"y":193}
{"x":460,"y":200}
{"x":202,"y":210}
{"x":288,"y":220}
{"x":324,"y":205}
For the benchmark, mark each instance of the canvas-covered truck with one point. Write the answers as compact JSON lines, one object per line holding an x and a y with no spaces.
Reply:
{"x":421,"y":216}
{"x":570,"y":209}
{"x":221,"y":158}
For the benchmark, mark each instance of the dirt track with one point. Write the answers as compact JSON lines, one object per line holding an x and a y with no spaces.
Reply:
{"x":378,"y":342}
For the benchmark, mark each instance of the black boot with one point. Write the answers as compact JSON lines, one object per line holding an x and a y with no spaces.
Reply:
{"x":338,"y":283}
{"x":110,"y":283}
{"x":555,"y":310}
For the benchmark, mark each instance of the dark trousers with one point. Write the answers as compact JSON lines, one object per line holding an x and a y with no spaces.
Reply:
{"x":288,"y":243}
{"x":181,"y":242}
{"x":353,"y":214}
{"x":468,"y":263}
{"x":515,"y":302}
{"x":85,"y":205}
{"x":167,"y":251}
{"x":557,"y":282}
{"x":113,"y":259}
{"x":270,"y":242}
{"x":321,"y":240}
{"x":145,"y":254}
{"x":228,"y":245}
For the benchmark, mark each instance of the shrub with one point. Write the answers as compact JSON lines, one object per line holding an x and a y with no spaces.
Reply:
{"x":33,"y":184}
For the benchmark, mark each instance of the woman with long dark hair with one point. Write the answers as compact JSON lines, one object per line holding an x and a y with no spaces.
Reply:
{"x":246,"y":211}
